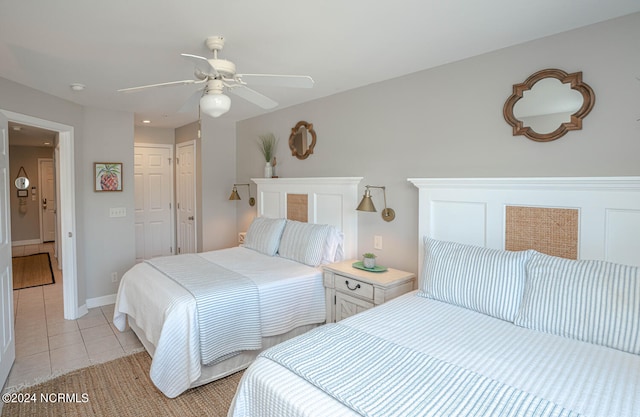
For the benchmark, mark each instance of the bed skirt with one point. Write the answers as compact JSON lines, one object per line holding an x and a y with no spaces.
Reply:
{"x":229,"y":366}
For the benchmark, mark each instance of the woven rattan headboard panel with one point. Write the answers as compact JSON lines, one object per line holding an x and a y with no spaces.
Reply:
{"x":298,"y":207}
{"x":553,"y":231}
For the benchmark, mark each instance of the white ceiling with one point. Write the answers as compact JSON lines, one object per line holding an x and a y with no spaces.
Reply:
{"x":342,"y":44}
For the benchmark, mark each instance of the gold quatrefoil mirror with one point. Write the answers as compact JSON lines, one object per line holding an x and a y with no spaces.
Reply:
{"x":548,"y":104}
{"x":302,"y":140}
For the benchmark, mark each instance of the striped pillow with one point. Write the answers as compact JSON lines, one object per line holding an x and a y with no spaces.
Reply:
{"x":304,"y":242}
{"x":264,"y":235}
{"x":592,"y":301}
{"x":489,"y":281}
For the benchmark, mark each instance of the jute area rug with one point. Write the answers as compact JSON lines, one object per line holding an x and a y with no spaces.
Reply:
{"x":119,"y":388}
{"x":32,"y":271}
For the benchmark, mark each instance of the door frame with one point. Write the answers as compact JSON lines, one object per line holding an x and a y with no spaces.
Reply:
{"x":40,"y":209}
{"x":66,"y":205}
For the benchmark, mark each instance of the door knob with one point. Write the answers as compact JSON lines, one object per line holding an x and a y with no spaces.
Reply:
{"x":190,"y":218}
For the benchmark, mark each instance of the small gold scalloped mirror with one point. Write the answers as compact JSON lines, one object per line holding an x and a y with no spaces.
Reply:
{"x":299,"y":143}
{"x":548,"y":105}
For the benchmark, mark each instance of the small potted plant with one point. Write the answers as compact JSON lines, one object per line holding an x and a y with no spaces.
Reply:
{"x":369,"y":260}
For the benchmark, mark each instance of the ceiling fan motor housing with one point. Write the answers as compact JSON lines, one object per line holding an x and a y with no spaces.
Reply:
{"x":214,"y":87}
{"x":225,"y":68}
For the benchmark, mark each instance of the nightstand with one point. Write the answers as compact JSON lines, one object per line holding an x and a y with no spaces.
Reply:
{"x":349,"y":290}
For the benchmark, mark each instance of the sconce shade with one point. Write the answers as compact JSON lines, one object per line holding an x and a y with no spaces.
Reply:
{"x":215,"y":105}
{"x":234,"y":194}
{"x":367,"y":203}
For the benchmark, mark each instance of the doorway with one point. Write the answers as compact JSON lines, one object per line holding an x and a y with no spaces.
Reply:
{"x":66,"y":192}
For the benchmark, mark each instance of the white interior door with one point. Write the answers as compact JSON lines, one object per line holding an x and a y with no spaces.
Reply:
{"x":186,"y":201}
{"x":7,"y":340}
{"x":153,"y":182}
{"x":48,"y":203}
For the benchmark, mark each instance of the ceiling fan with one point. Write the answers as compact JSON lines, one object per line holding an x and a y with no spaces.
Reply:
{"x":218,"y":75}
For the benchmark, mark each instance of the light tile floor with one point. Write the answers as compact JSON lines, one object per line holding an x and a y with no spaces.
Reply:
{"x":48,"y":345}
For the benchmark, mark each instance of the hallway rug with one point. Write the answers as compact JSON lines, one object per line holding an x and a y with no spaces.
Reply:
{"x":32,"y":271}
{"x":119,"y":388}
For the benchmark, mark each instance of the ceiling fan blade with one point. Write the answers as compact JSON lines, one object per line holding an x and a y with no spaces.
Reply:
{"x":253,"y":96}
{"x":201,"y":63}
{"x":294,"y":81}
{"x":192,"y":103}
{"x":142,"y":87}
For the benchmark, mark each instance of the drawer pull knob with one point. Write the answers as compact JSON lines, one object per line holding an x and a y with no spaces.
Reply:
{"x":354,"y":288}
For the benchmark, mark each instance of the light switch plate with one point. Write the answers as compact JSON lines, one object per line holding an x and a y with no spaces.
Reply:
{"x":117,"y":212}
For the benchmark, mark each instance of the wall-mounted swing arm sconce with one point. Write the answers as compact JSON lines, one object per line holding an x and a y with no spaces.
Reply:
{"x":235,"y":196}
{"x":367,"y":203}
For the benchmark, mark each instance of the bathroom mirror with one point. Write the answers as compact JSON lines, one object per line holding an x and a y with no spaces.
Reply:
{"x":302,"y":140}
{"x":548,"y":104}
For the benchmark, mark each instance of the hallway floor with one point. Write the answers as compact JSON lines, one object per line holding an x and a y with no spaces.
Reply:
{"x":48,"y":345}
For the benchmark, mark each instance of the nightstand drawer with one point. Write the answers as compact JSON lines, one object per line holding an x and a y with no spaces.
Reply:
{"x":354,"y":287}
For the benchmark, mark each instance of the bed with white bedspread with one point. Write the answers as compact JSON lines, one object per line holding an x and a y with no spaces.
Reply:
{"x":204,"y":316}
{"x":290,"y":295}
{"x":490,"y":332}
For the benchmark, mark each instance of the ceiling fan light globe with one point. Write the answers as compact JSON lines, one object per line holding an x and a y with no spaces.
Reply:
{"x":215,"y":105}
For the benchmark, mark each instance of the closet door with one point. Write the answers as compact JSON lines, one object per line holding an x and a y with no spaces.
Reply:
{"x":186,"y":200}
{"x":153,"y":177}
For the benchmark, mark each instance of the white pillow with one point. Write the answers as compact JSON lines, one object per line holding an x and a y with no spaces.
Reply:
{"x":333,"y":247}
{"x":264,"y":235}
{"x":592,"y":301}
{"x":489,"y":281}
{"x":304,"y":242}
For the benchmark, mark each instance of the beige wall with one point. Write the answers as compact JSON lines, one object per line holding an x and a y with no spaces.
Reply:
{"x":217,"y":151}
{"x":109,"y":242}
{"x":447,"y":122}
{"x":155,"y":135}
{"x":26,"y":226}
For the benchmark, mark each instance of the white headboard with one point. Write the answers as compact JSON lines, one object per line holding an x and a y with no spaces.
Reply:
{"x":331,"y":200}
{"x":472,"y":210}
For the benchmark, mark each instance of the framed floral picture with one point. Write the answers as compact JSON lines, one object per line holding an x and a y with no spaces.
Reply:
{"x":108,"y":176}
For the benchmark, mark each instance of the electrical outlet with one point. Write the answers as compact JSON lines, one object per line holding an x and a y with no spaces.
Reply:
{"x":241,"y":237}
{"x":377,"y":242}
{"x":114,"y":277}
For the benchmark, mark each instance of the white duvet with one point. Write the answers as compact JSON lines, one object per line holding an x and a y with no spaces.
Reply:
{"x":593,"y":380}
{"x":291,"y":295}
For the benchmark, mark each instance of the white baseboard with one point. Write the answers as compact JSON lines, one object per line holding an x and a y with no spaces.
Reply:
{"x":101,"y":301}
{"x":26,"y":242}
{"x":82,"y":310}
